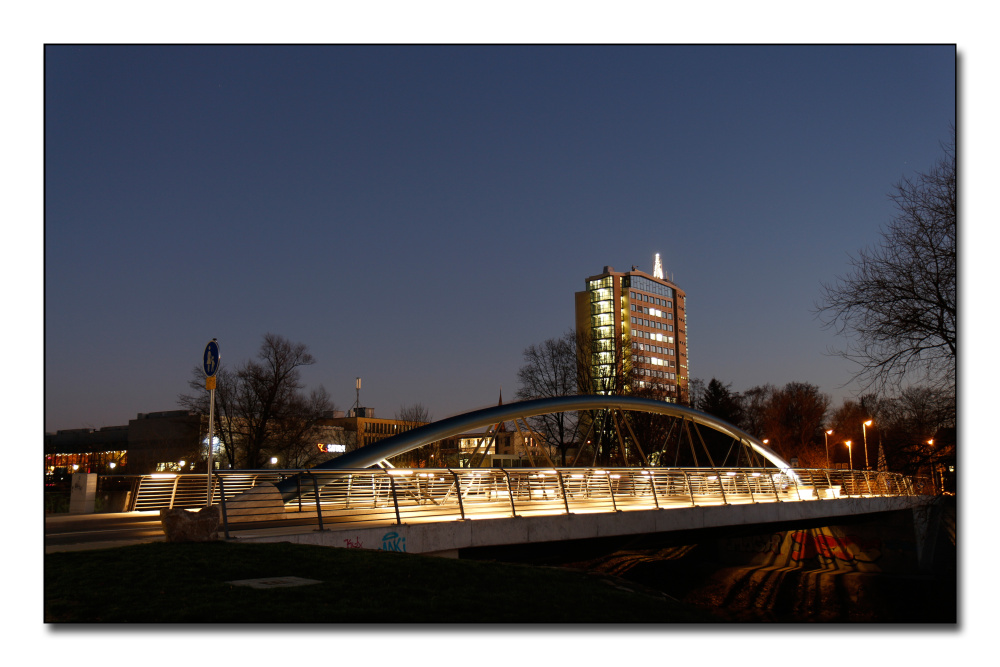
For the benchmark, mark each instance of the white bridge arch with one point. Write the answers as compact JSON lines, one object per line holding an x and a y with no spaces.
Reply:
{"x":463,"y":423}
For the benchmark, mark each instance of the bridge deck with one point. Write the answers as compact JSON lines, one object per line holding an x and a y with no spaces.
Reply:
{"x":432,"y":535}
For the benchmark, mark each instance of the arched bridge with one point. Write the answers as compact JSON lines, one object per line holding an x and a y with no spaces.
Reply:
{"x":351,"y":500}
{"x":606,"y":406}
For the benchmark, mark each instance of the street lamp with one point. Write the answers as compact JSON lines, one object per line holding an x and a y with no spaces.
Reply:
{"x":932,"y":466}
{"x":850,"y":459}
{"x":864,"y":433}
{"x":827,"y":445}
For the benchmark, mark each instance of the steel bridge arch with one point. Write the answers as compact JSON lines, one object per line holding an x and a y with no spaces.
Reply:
{"x":452,"y":426}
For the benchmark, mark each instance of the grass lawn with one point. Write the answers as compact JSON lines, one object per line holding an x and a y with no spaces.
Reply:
{"x":187,"y":583}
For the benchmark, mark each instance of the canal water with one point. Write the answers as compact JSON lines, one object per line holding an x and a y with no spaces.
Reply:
{"x":857,"y":571}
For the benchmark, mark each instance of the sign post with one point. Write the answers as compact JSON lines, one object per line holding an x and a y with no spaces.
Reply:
{"x":210,"y":361}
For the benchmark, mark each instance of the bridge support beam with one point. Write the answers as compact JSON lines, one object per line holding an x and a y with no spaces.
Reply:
{"x":449,"y":536}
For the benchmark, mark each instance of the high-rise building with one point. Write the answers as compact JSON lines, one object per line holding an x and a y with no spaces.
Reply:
{"x":633,"y":327}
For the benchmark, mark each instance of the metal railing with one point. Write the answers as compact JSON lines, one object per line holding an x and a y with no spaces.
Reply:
{"x":421,"y":494}
{"x":188,"y":490}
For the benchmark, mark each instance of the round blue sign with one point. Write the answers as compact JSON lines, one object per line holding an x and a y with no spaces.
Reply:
{"x":211,"y":358}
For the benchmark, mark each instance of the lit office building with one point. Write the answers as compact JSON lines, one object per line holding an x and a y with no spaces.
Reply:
{"x":635,"y":326}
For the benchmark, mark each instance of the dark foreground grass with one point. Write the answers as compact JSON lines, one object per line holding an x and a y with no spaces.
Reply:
{"x":187,"y":583}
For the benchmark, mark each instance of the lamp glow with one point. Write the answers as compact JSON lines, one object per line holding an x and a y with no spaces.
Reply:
{"x":864,"y":433}
{"x":827,"y":445}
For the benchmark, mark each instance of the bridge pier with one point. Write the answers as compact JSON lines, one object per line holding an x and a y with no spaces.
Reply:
{"x":926,"y":527}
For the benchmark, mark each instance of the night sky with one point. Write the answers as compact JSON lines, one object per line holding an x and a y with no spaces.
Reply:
{"x":418,"y":215}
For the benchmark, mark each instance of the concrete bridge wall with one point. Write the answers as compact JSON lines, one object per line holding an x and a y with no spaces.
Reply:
{"x":446,"y":538}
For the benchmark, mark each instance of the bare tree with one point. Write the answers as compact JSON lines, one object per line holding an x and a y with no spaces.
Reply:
{"x":413,"y":415}
{"x":696,"y":387}
{"x":754,"y":415}
{"x":911,"y":425}
{"x":296,"y":429}
{"x":793,"y":422}
{"x":898,"y":305}
{"x":260,"y":409}
{"x":604,"y":366}
{"x":410,"y":417}
{"x":227,"y":383}
{"x":550,"y":370}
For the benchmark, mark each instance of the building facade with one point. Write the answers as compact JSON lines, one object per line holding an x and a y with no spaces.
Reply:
{"x":362,"y":428}
{"x":632,"y":333}
{"x":494,"y":448}
{"x":167,"y":441}
{"x":152,"y":442}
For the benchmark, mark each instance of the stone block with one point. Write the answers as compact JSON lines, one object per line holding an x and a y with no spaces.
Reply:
{"x":261,"y":503}
{"x":83,"y":493}
{"x":180,"y":525}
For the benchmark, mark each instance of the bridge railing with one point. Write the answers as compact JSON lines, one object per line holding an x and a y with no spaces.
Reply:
{"x":425,"y":494}
{"x":188,"y":490}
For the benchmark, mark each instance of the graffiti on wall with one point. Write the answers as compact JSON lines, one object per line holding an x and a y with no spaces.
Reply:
{"x":393,"y":542}
{"x":353,"y":544}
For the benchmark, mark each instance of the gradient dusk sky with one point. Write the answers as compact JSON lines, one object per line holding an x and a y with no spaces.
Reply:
{"x":418,"y":215}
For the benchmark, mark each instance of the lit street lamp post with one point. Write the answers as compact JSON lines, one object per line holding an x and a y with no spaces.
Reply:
{"x":932,"y":466}
{"x":850,"y":459}
{"x":864,"y":433}
{"x":827,"y":445}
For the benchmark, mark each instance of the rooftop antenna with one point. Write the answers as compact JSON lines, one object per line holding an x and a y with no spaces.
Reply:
{"x":657,"y":267}
{"x":357,"y":389}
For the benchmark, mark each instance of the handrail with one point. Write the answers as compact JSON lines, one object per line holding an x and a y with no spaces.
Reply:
{"x":375,"y":495}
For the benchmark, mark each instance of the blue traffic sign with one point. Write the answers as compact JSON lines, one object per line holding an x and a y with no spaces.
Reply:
{"x":211,"y":358}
